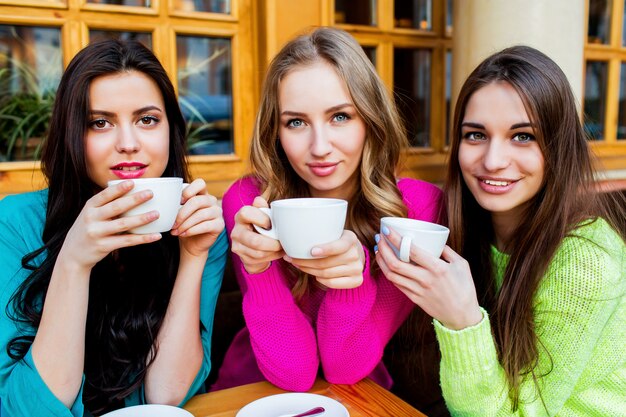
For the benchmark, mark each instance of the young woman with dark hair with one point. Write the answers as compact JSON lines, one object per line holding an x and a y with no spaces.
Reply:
{"x":529,"y":300}
{"x":326,"y":127}
{"x":97,"y":318}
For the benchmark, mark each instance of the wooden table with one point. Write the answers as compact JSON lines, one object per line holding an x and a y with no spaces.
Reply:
{"x":364,"y":399}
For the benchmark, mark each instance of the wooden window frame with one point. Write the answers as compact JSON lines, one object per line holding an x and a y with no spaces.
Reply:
{"x":76,"y":17}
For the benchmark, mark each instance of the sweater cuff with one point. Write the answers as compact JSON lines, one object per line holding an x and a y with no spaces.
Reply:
{"x":356,"y":295}
{"x":267,"y":287}
{"x":468,"y":350}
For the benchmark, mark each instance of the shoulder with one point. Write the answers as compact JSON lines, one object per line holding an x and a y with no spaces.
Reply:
{"x":242,"y":192}
{"x":591,"y":260}
{"x":422,"y":199}
{"x":27,"y":207}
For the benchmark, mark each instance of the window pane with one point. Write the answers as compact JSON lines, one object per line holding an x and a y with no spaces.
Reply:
{"x":448,"y":81}
{"x":30,"y":70}
{"x":211,"y":6}
{"x":599,"y":21}
{"x":205,"y":93}
{"x":370,"y":51}
{"x":416,"y":14}
{"x":99,"y":35}
{"x":595,"y":96}
{"x":356,"y":12}
{"x":621,"y":119}
{"x":135,"y":3}
{"x":411,"y":75}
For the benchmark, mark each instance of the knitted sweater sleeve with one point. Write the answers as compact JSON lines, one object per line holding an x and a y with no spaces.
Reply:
{"x":579,"y":316}
{"x":355,"y":325}
{"x":282,"y":337}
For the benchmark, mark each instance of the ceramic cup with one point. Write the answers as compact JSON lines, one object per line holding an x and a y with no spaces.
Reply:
{"x":167,"y":193}
{"x":430,"y":237}
{"x":300,"y":224}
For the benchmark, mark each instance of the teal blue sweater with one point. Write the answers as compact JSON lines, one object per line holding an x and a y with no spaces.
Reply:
{"x":23,"y":392}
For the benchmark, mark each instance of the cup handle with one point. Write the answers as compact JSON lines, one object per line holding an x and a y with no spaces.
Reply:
{"x":271,"y":232}
{"x":405,"y":249}
{"x":182,"y":187}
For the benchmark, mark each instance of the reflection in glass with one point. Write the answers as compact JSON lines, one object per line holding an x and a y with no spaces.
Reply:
{"x":205,"y":93}
{"x":599,"y":21}
{"x":135,"y":3}
{"x":211,"y":6}
{"x":448,"y":87}
{"x":30,"y":70}
{"x":370,"y":51}
{"x":356,"y":12}
{"x":411,"y":75}
{"x":621,"y":118}
{"x":595,"y":95}
{"x":99,"y":35}
{"x":413,"y":14}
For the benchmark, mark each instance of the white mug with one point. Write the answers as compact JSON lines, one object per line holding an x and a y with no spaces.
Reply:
{"x":300,"y":224}
{"x":167,"y":192}
{"x":430,"y":237}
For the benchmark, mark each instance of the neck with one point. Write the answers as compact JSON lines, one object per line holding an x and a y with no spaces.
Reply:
{"x":503,"y":229}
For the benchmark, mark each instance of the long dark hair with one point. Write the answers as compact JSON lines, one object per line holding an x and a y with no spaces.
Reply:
{"x":377,"y":194}
{"x":566,"y":197}
{"x":131,"y":287}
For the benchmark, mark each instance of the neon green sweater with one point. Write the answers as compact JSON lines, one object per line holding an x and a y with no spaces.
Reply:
{"x":580,"y":318}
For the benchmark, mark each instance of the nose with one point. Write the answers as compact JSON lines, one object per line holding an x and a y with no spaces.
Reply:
{"x":321,"y":144}
{"x":497,"y":156}
{"x":127,"y":141}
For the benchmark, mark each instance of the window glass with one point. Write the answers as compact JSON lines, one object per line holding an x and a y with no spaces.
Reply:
{"x":30,"y":70}
{"x":448,"y":93}
{"x":356,"y":12}
{"x":413,"y":14}
{"x":370,"y":51}
{"x":211,"y":6}
{"x":449,"y":17}
{"x":621,"y":118}
{"x":599,"y":26}
{"x":411,"y":75}
{"x":595,"y":98}
{"x":135,"y":3}
{"x":205,"y":93}
{"x":143,"y":37}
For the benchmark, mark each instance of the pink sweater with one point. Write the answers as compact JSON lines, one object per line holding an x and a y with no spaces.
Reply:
{"x":344,"y":330}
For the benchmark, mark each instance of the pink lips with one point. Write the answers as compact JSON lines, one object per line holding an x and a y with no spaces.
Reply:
{"x":323,"y":169}
{"x":129,"y":170}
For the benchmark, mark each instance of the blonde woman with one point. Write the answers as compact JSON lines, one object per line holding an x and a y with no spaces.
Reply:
{"x":326,"y":127}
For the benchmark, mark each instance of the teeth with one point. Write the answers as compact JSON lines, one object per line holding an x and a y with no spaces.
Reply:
{"x":497,"y":183}
{"x":135,"y":168}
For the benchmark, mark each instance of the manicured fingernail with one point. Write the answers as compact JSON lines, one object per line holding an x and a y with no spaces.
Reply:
{"x":375,"y":248}
{"x":385,"y":230}
{"x":316,"y":252}
{"x":377,"y":237}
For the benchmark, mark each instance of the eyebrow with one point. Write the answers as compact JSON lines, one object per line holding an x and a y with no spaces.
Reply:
{"x":135,"y":113}
{"x":513,"y":126}
{"x":329,"y":110}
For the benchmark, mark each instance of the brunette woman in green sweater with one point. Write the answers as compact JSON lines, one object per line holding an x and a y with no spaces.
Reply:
{"x":529,"y":300}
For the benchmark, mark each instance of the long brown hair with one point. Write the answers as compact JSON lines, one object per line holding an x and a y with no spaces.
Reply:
{"x":566,"y":197}
{"x":377,"y":194}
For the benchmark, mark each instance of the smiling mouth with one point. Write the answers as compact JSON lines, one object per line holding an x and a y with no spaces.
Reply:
{"x":497,"y":183}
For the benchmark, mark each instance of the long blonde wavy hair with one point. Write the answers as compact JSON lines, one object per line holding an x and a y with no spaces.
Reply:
{"x":377,"y":194}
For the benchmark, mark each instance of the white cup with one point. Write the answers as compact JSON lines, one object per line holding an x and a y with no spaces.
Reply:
{"x":430,"y":237}
{"x":166,"y":192}
{"x":300,"y":224}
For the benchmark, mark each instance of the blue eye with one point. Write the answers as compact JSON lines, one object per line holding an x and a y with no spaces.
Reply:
{"x":341,"y":117}
{"x":523,"y":138}
{"x":295,"y":123}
